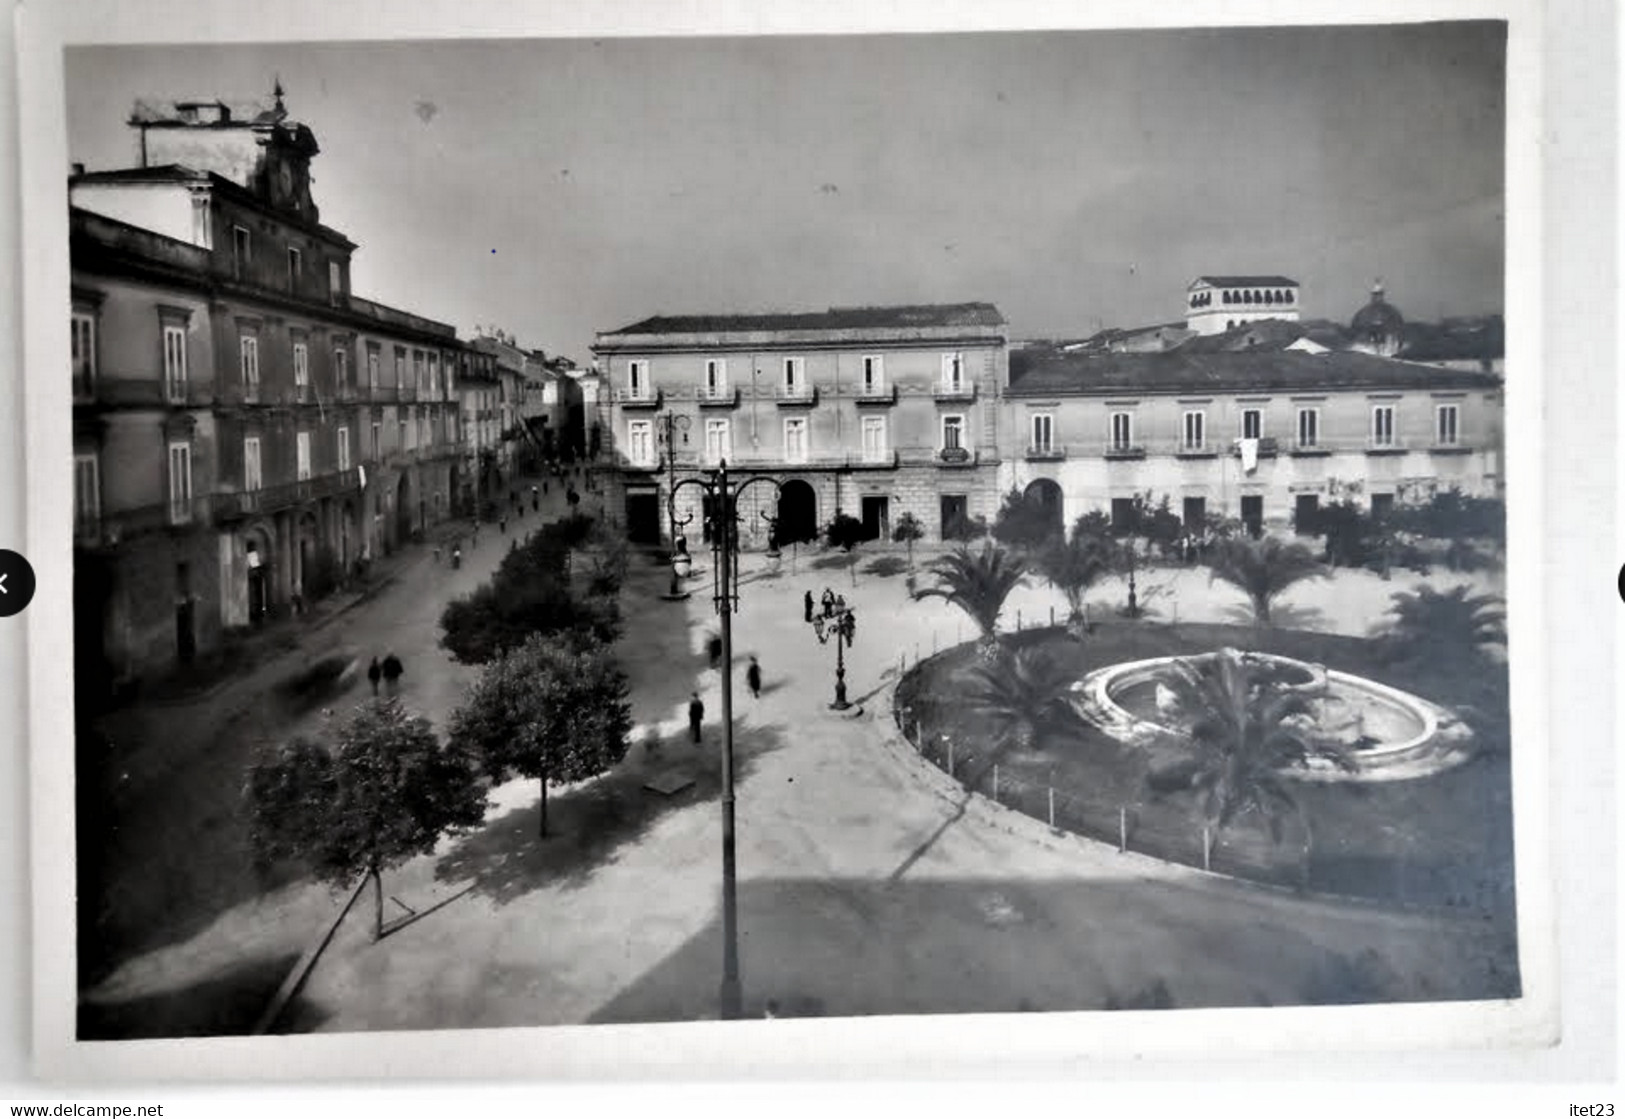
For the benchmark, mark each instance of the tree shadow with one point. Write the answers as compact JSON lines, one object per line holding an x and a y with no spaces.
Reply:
{"x":228,"y":1003}
{"x":589,"y":825}
{"x":884,"y":567}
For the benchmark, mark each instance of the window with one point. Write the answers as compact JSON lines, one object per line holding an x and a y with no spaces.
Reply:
{"x":335,"y":281}
{"x":640,"y":442}
{"x":400,"y":369}
{"x":249,"y":358}
{"x":637,"y":380}
{"x":341,"y":368}
{"x":400,"y":435}
{"x":1447,"y":428}
{"x":1308,"y":427}
{"x":174,"y":362}
{"x":302,"y":449}
{"x":239,"y":253}
{"x":87,"y":494}
{"x":953,"y":433}
{"x":451,"y":377}
{"x":1382,"y":425}
{"x":434,"y":375}
{"x":252,"y":478}
{"x":795,"y":376}
{"x":795,"y":439}
{"x":180,"y":483}
{"x":874,"y":374}
{"x":953,"y":372}
{"x":344,"y":448}
{"x":84,"y":353}
{"x":717,"y":443}
{"x":1195,"y":431}
{"x":294,"y":269}
{"x":417,"y":374}
{"x":1122,"y":431}
{"x":1043,"y":433}
{"x":372,"y":369}
{"x":1252,"y":423}
{"x":874,"y":439}
{"x":377,"y":432}
{"x":716,"y":378}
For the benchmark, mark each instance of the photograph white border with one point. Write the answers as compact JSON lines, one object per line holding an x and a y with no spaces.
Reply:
{"x":1406,"y":1035}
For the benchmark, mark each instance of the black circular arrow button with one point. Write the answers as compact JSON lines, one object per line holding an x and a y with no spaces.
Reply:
{"x":16,"y":583}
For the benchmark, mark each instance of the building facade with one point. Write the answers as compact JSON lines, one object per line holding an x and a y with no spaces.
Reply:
{"x":247,"y":431}
{"x":1262,"y":437}
{"x":1215,"y":304}
{"x":870,"y":412}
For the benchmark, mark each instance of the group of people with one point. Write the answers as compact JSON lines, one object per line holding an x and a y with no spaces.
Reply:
{"x":696,"y":706}
{"x":388,"y":671}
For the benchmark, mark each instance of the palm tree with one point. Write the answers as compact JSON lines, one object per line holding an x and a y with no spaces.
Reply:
{"x":977,"y":583}
{"x":1024,"y":697}
{"x":1426,"y":624}
{"x":1247,"y":731}
{"x":1074,"y":566}
{"x":1263,"y":570}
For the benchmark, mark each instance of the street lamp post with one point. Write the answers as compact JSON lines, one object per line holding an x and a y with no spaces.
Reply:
{"x":720,"y":503}
{"x":680,"y":563}
{"x":836,"y":621}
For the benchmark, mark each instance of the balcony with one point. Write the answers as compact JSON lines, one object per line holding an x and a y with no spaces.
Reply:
{"x":887,"y":461}
{"x":1123,"y":451}
{"x":111,"y":527}
{"x":1195,"y":450}
{"x":1267,"y":448}
{"x":876,"y":396}
{"x":1386,"y":447}
{"x":647,"y":466}
{"x":1048,"y":452}
{"x":267,"y":499}
{"x":145,"y":392}
{"x":1451,"y":449}
{"x":957,"y":457}
{"x":643,"y":398}
{"x":954,"y":392}
{"x":801,"y":396}
{"x":1309,"y":450}
{"x":717,"y":396}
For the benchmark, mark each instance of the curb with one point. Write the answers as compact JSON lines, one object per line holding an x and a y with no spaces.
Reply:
{"x":301,"y":970}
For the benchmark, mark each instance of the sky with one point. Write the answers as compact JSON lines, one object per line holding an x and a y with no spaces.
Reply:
{"x":1077,"y":180}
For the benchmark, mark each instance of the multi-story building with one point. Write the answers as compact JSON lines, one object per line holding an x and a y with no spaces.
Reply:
{"x":478,"y":390}
{"x":871,"y":411}
{"x":246,"y":429}
{"x":1215,"y":304}
{"x":1260,"y":436}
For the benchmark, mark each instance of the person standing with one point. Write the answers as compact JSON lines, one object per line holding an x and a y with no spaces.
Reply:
{"x":753,"y":678}
{"x":374,"y":674}
{"x":535,"y":500}
{"x":502,"y":525}
{"x":696,"y":716}
{"x":807,"y":605}
{"x":392,"y":671}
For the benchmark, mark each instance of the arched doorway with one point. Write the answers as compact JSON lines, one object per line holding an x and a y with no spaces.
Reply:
{"x":1046,"y":494}
{"x":798,"y":512}
{"x":257,"y":559}
{"x":403,"y":509}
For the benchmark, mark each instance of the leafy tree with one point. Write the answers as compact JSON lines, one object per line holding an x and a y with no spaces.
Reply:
{"x":1025,"y":522}
{"x":1263,"y":569}
{"x":1428,"y":626}
{"x":846,"y":532}
{"x":546,"y":711}
{"x":1353,"y":536}
{"x":906,"y":531}
{"x":1025,"y":697}
{"x":387,"y":791}
{"x":1095,"y":524}
{"x":1074,"y":566}
{"x":1246,"y":732}
{"x":1452,"y":515}
{"x":978,"y":583}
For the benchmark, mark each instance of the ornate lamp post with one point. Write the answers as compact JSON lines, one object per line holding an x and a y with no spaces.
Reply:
{"x":836,"y":621}
{"x":721,"y":504}
{"x":680,"y":561}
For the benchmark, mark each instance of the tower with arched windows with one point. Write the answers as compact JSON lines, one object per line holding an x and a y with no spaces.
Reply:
{"x":1215,"y":304}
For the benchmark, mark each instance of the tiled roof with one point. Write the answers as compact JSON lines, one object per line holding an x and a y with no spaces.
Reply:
{"x":836,"y":318}
{"x":1179,"y":371}
{"x":160,"y":111}
{"x":1247,"y":281}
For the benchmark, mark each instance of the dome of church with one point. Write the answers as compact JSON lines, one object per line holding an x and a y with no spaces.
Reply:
{"x":1378,"y":318}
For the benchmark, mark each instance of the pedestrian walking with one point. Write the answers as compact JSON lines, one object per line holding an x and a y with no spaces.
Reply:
{"x":753,"y":678}
{"x":456,"y":558}
{"x":535,"y":500}
{"x":807,"y":605}
{"x":696,"y":716}
{"x":392,"y":670}
{"x":374,"y":674}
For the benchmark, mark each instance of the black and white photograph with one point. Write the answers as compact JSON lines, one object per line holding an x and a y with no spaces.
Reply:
{"x":651,"y":530}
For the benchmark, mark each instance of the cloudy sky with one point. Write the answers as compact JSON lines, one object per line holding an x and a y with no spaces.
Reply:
{"x":1075,"y":179}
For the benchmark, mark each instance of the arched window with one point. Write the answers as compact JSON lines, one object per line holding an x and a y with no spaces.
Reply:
{"x":1246,"y":297}
{"x":1289,"y":296}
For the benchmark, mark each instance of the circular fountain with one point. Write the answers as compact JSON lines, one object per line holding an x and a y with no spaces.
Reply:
{"x":1390,"y":734}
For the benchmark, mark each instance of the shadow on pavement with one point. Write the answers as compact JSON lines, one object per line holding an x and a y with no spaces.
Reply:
{"x":589,"y":824}
{"x":225,"y":1004}
{"x":852,"y":947}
